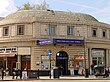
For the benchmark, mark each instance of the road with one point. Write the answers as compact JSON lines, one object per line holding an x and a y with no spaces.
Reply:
{"x":61,"y":81}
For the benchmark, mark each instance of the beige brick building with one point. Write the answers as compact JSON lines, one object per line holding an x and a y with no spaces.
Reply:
{"x":27,"y":36}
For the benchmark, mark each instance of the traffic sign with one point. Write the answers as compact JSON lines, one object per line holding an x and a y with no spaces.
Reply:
{"x":49,"y":53}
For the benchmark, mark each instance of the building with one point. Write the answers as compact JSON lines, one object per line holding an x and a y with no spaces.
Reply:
{"x":27,"y":36}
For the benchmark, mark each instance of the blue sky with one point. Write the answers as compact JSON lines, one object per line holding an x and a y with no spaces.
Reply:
{"x":100,"y":9}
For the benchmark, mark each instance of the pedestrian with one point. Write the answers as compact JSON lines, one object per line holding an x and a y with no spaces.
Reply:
{"x":106,"y":73}
{"x":2,"y":73}
{"x":7,"y":72}
{"x":17,"y":73}
{"x":61,"y":70}
{"x":24,"y":74}
{"x":92,"y":69}
{"x":38,"y":73}
{"x":13,"y":73}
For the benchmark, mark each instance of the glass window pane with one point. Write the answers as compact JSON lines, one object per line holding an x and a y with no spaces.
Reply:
{"x":20,"y":30}
{"x":5,"y":31}
{"x":104,"y":33}
{"x":52,"y":29}
{"x":94,"y":32}
{"x":69,"y":30}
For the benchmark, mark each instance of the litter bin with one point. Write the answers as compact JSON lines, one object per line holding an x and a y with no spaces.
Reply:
{"x":56,"y":72}
{"x":32,"y":74}
{"x":86,"y":73}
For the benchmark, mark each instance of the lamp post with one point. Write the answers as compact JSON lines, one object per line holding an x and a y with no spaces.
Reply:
{"x":50,"y":54}
{"x":86,"y":70}
{"x":85,"y":52}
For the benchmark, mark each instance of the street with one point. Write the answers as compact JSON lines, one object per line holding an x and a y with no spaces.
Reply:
{"x":62,"y":80}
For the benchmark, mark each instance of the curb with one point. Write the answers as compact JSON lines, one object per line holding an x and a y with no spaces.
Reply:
{"x":57,"y":79}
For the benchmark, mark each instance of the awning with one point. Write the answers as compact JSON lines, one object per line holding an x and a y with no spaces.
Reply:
{"x":7,"y":55}
{"x":80,"y":58}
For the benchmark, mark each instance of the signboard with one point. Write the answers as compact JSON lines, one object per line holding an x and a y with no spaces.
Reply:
{"x":43,"y":42}
{"x":8,"y":50}
{"x":68,"y":41}
{"x":60,"y":41}
{"x":24,"y":51}
{"x":62,"y":58}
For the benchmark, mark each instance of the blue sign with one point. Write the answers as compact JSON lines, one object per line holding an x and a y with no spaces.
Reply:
{"x":60,"y":41}
{"x":43,"y":42}
{"x":67,"y":41}
{"x":62,"y":58}
{"x":49,"y":53}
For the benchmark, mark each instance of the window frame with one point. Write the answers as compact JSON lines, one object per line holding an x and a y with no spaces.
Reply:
{"x":104,"y":30}
{"x":52,"y":29}
{"x":20,"y":29}
{"x":6,"y":31}
{"x":94,"y":34}
{"x":70,"y":30}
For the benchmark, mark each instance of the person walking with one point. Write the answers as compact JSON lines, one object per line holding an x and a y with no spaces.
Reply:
{"x":2,"y":73}
{"x":14,"y":73}
{"x":92,"y":69}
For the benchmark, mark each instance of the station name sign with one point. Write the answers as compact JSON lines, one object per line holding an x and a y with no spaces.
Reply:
{"x":68,"y":41}
{"x":43,"y":42}
{"x":60,"y":41}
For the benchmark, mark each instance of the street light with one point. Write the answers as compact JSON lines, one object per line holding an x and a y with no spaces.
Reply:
{"x":50,"y":54}
{"x":85,"y":52}
{"x":86,"y":70}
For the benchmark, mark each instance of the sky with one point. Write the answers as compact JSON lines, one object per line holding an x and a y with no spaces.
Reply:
{"x":100,"y":9}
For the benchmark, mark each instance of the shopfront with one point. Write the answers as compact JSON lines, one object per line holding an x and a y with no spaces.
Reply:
{"x":98,"y":56}
{"x":8,"y":58}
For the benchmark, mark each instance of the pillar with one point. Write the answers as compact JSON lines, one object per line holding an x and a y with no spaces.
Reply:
{"x":89,"y":57}
{"x":107,"y":58}
{"x":18,"y":63}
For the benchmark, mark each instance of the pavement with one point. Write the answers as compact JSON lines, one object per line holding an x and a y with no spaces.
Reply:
{"x":92,"y":77}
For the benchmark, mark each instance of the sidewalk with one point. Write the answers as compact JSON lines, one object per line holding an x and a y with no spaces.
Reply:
{"x":9,"y":78}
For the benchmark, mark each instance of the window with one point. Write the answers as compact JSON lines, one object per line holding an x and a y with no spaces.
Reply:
{"x":52,"y":30}
{"x":94,"y":32}
{"x":69,"y":30}
{"x":103,"y":33}
{"x":20,"y":30}
{"x":5,"y":31}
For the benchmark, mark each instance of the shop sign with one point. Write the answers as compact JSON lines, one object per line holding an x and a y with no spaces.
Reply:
{"x":68,"y":41}
{"x":8,"y":50}
{"x":62,"y":58}
{"x":81,"y":58}
{"x":43,"y":42}
{"x":60,"y":41}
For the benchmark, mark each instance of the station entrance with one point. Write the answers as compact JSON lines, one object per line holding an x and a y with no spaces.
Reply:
{"x":62,"y":62}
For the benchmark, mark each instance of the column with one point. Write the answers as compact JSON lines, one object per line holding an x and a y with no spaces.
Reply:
{"x":18,"y":64}
{"x":89,"y":57}
{"x":107,"y":58}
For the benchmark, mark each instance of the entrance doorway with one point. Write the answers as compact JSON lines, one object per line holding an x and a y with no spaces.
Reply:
{"x":62,"y":62}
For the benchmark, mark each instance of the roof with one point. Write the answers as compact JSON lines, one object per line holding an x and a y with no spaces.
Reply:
{"x":1,"y":18}
{"x":43,"y":13}
{"x":26,"y":16}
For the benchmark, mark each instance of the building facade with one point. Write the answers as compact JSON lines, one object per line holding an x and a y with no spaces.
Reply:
{"x":75,"y":40}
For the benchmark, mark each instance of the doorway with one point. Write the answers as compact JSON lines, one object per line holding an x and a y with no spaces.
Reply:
{"x":62,"y":61}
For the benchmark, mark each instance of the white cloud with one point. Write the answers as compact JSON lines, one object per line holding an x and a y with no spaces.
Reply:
{"x":7,"y":7}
